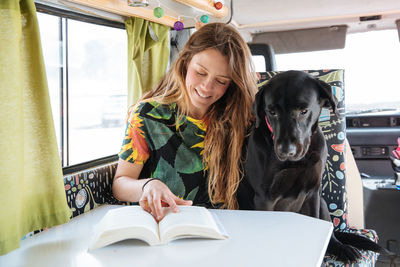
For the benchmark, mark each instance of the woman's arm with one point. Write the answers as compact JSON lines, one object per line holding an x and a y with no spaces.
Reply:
{"x":128,"y":187}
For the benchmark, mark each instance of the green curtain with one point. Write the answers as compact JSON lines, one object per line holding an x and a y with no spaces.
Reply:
{"x":32,"y":192}
{"x":148,"y":55}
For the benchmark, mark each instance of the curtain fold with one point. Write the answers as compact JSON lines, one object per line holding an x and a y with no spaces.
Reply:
{"x":148,"y":55}
{"x":32,"y":192}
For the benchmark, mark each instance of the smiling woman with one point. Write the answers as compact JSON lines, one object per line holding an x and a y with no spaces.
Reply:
{"x":207,"y":79}
{"x":193,"y":125}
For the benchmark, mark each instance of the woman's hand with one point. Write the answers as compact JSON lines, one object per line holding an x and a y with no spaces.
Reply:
{"x":151,"y":195}
{"x":155,"y":195}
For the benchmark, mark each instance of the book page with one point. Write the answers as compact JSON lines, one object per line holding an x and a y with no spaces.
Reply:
{"x":190,"y":221}
{"x":130,"y":222}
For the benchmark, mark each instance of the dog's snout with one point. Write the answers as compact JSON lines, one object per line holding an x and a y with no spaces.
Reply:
{"x":286,"y":151}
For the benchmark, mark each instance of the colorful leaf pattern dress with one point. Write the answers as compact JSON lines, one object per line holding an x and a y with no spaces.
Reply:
{"x":168,"y":150}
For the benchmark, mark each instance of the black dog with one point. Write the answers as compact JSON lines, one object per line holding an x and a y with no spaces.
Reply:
{"x":286,"y":155}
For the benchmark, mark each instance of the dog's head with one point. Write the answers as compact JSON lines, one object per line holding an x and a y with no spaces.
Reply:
{"x":290,"y":105}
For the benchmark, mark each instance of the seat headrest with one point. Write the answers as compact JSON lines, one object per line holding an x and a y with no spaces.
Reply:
{"x":267,"y":52}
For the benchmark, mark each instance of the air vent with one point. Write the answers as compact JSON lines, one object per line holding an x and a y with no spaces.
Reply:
{"x":375,"y":151}
{"x":397,"y":122}
{"x":373,"y":121}
{"x":369,"y":18}
{"x":354,"y":122}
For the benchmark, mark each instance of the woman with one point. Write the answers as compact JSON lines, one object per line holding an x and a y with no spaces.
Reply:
{"x":189,"y":131}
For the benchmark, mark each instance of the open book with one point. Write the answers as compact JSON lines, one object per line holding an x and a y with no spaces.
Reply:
{"x":132,"y":222}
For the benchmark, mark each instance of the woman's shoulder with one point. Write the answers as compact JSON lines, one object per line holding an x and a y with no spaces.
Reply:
{"x":152,"y":107}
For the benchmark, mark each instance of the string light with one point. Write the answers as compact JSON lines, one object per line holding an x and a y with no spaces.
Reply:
{"x":158,"y":12}
{"x":218,"y":5}
{"x":204,"y":19}
{"x":178,"y":25}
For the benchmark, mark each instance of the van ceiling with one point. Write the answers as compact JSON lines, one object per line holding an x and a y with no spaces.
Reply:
{"x":256,"y":16}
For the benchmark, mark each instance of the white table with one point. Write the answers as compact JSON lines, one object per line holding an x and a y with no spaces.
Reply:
{"x":256,"y":238}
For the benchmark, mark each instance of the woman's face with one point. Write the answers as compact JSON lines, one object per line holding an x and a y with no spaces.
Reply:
{"x":207,"y":79}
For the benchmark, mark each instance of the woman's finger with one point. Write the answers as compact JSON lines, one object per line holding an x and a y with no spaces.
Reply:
{"x":151,"y":205}
{"x":171,"y":203}
{"x":180,"y":201}
{"x":145,"y":205}
{"x":157,"y":208}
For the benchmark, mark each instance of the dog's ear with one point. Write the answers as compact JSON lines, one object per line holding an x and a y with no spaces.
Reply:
{"x":258,"y":105}
{"x":327,"y":96}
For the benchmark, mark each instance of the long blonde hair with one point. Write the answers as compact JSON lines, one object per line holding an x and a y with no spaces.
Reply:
{"x":228,"y":118}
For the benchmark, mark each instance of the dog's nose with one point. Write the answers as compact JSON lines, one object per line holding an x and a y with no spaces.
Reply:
{"x":291,"y":150}
{"x":286,"y":151}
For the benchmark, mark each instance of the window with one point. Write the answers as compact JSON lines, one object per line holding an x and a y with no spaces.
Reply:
{"x":259,"y":63}
{"x":87,"y":76}
{"x":50,"y":39}
{"x":371,"y":61}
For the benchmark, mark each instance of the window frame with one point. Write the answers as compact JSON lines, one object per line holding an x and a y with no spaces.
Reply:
{"x":64,"y":16}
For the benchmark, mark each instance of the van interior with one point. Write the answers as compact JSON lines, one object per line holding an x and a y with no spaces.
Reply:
{"x":84,"y":48}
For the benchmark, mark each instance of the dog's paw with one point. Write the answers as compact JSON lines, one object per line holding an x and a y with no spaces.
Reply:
{"x":347,"y":254}
{"x":287,"y":182}
{"x":313,"y":158}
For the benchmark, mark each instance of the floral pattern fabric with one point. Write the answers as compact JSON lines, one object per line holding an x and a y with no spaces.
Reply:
{"x":169,"y":150}
{"x":89,"y":188}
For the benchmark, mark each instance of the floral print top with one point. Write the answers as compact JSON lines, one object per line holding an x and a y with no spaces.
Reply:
{"x":168,"y":150}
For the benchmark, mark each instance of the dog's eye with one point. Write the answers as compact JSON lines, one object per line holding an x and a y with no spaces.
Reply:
{"x":303,"y":111}
{"x":272,"y":112}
